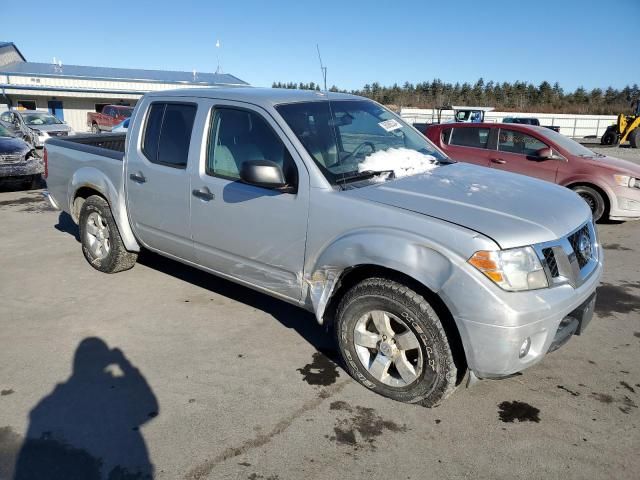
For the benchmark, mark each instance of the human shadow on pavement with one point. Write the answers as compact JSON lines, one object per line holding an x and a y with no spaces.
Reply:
{"x":89,"y":426}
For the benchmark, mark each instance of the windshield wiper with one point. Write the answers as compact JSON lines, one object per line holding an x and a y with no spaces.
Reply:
{"x":366,"y":174}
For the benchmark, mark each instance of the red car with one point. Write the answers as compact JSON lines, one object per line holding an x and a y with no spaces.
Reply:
{"x":609,"y":185}
{"x":110,"y":116}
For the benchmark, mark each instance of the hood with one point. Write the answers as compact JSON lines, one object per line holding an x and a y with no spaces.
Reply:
{"x":56,"y":127}
{"x":617,"y":165}
{"x":11,"y":145}
{"x":513,"y":210}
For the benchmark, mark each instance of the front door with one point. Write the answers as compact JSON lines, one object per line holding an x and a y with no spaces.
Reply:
{"x":157,"y":180}
{"x":517,"y":153}
{"x":252,"y":234}
{"x":55,"y":109}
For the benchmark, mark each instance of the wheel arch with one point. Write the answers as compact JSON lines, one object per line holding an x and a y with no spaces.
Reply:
{"x":353,"y":275}
{"x":597,"y":188}
{"x":90,"y":181}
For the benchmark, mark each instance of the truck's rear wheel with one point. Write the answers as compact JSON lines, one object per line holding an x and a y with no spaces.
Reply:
{"x":634,"y":138}
{"x":393,"y":342}
{"x":101,"y":242}
{"x":95,"y":128}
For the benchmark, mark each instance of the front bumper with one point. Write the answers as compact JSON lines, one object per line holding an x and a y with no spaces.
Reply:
{"x":31,"y":166}
{"x":625,"y":203}
{"x":494,"y":324}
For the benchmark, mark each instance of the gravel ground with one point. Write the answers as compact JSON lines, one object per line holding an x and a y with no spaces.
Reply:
{"x":625,"y":152}
{"x":193,"y":377}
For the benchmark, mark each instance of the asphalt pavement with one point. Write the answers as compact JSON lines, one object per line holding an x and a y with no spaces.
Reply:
{"x":192,"y":377}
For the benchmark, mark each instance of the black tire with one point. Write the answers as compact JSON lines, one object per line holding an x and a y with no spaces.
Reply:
{"x":595,"y":201}
{"x":437,"y":377}
{"x":634,"y":138}
{"x":95,"y":128}
{"x":31,"y":182}
{"x":115,"y":257}
{"x":610,"y":137}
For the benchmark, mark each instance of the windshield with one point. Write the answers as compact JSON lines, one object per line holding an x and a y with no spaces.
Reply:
{"x":350,"y":137}
{"x":39,"y":119}
{"x":4,"y":132}
{"x":571,"y":146}
{"x":124,"y":112}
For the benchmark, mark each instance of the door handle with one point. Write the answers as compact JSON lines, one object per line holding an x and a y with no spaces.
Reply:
{"x":498,"y":160}
{"x":203,"y":194}
{"x":137,"y":177}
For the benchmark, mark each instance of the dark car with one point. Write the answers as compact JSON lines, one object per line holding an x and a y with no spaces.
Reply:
{"x":609,"y":185}
{"x":529,"y":121}
{"x":18,"y":160}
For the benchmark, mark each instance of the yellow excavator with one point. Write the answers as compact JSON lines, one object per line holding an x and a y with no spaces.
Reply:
{"x":626,"y":128}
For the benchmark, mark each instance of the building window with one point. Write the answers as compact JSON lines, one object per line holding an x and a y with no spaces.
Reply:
{"x":25,"y":105}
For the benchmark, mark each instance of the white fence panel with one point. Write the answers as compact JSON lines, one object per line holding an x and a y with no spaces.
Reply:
{"x":577,"y":126}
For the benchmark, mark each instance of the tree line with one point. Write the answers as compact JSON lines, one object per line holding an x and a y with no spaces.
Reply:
{"x":503,"y":96}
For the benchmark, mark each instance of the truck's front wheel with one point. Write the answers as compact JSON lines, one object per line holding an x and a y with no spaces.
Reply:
{"x":392,"y":342}
{"x":102,"y":245}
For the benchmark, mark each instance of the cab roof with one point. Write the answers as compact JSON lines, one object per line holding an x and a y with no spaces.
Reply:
{"x":258,"y":96}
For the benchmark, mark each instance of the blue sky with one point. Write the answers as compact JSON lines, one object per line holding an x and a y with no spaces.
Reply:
{"x":577,"y":43}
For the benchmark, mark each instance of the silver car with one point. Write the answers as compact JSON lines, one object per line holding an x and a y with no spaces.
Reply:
{"x":35,"y":126}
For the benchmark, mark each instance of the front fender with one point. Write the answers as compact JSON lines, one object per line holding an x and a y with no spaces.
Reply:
{"x":95,"y":179}
{"x":402,"y":251}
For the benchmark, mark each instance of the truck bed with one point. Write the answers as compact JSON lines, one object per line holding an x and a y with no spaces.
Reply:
{"x":110,"y":145}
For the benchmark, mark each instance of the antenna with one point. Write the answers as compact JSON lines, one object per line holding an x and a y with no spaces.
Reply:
{"x":218,"y":69}
{"x":323,"y":69}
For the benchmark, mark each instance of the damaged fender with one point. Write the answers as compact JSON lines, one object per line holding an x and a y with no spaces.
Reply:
{"x":401,"y":251}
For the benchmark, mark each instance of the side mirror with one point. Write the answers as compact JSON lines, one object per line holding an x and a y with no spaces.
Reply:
{"x":263,"y":173}
{"x":544,"y":153}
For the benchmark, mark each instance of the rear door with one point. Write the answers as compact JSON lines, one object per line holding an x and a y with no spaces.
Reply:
{"x":516,"y":152}
{"x":467,"y":143}
{"x":156,"y":177}
{"x":253,"y":234}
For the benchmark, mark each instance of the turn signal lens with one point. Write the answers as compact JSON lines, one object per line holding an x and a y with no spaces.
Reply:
{"x":515,"y":269}
{"x":624,"y":180}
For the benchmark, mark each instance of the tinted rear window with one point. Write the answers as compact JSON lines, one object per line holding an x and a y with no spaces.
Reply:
{"x":168,"y":133}
{"x":470,"y":137}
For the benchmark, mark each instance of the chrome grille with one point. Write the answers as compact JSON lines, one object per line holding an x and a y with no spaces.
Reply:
{"x":570,"y":259}
{"x":58,"y":134}
{"x":550,"y":260}
{"x":575,"y":239}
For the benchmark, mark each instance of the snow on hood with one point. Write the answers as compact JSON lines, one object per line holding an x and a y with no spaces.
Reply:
{"x":403,"y":162}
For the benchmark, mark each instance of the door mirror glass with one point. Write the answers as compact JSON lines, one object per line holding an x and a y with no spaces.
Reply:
{"x":544,"y":153}
{"x":262,"y":173}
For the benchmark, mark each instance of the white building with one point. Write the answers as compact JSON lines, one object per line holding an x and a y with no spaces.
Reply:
{"x":70,"y":91}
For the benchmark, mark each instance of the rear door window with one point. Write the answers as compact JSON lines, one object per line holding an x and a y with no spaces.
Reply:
{"x":512,"y":141}
{"x":475,"y":137}
{"x":167,"y":133}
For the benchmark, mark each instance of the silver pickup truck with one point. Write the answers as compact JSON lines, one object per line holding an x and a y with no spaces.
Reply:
{"x":425,"y":268}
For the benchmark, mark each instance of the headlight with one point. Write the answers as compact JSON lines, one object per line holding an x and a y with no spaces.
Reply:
{"x":514,"y":269}
{"x":626,"y":181}
{"x":71,"y":132}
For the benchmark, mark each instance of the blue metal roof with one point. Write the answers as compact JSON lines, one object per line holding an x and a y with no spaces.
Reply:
{"x":12,"y":45}
{"x":127,"y":74}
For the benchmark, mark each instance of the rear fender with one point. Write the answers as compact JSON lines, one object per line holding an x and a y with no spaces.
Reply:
{"x":93,"y":178}
{"x":403,"y":252}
